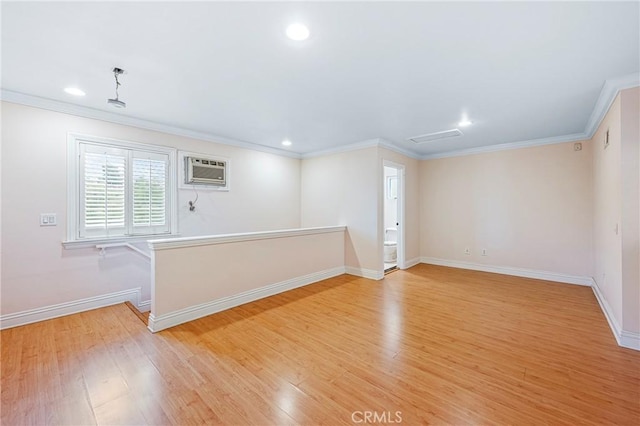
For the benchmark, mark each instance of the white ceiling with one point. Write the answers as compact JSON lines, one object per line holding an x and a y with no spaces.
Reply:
{"x":521,"y":71}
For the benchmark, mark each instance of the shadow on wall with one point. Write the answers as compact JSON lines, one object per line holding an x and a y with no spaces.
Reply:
{"x":350,"y":255}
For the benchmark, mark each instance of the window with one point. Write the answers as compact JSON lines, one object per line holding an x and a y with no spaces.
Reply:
{"x":120,"y":190}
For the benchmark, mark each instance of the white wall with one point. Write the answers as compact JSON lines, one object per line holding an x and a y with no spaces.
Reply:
{"x":342,"y":189}
{"x":630,"y":210}
{"x":607,"y":202}
{"x":530,"y":208}
{"x":616,"y":225}
{"x":198,"y":278}
{"x":264,"y":195}
{"x":348,"y":189}
{"x":37,"y":271}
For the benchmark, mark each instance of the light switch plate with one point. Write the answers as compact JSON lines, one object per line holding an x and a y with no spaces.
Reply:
{"x":48,"y":219}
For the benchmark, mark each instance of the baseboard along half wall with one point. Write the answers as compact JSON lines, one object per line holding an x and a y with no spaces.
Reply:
{"x":161,"y":322}
{"x":506,"y":270}
{"x":68,"y":308}
{"x":365,"y":273}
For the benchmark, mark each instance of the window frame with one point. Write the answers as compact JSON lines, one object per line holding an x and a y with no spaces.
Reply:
{"x":74,"y":140}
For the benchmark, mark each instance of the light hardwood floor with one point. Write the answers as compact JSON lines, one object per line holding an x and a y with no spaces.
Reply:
{"x":427,"y":345}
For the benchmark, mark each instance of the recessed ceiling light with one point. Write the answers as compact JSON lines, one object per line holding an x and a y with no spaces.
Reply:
{"x":74,"y":91}
{"x":465,"y":123}
{"x":286,"y":142}
{"x":297,"y":32}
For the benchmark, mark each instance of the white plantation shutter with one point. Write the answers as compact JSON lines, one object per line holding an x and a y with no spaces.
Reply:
{"x":103,"y":191}
{"x":123,"y":192}
{"x":149,"y":183}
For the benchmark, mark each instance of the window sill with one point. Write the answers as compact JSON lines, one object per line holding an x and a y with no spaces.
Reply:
{"x":79,"y":244}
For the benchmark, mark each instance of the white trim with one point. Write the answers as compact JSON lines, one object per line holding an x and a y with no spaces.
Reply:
{"x":508,"y":146}
{"x":364,"y":273}
{"x":73,"y":185}
{"x":87,"y":243}
{"x":608,"y":93}
{"x":198,"y":311}
{"x":630,"y":340}
{"x":411,"y":263}
{"x":369,"y":143}
{"x":400,"y":211}
{"x":606,"y":310}
{"x":68,"y":308}
{"x":103,"y":247}
{"x":624,"y":338}
{"x":383,"y":143}
{"x":86,"y":112}
{"x":172,"y":243}
{"x":507,"y":270}
{"x":144,"y":306}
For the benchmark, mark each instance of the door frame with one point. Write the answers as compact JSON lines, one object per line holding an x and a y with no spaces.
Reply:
{"x":400,"y":213}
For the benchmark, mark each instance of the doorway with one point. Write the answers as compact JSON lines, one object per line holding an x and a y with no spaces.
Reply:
{"x":393,"y":210}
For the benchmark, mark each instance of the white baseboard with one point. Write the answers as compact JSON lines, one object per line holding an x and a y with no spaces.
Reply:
{"x":68,"y":308}
{"x":365,"y":273}
{"x":624,"y":338}
{"x":411,"y":262}
{"x":506,"y":270}
{"x":144,"y":306}
{"x":629,"y":340}
{"x":202,"y":310}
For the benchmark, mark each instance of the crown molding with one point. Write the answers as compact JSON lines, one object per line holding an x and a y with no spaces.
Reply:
{"x":507,"y":146}
{"x":383,"y":143}
{"x":369,"y":143}
{"x":96,"y":114}
{"x":608,"y":93}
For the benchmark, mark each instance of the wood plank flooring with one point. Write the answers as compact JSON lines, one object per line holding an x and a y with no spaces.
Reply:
{"x":427,"y":345}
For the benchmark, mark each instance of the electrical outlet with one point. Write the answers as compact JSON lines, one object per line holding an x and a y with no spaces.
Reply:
{"x":484,"y":252}
{"x":48,"y":219}
{"x":467,"y":251}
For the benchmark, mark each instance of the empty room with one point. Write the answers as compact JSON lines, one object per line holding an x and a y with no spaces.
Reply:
{"x":320,"y":213}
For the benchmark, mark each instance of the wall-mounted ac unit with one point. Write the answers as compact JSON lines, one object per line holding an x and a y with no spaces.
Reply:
{"x":205,"y":171}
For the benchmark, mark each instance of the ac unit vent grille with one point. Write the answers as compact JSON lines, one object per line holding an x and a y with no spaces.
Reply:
{"x":208,"y":173}
{"x":205,"y":171}
{"x":430,"y":137}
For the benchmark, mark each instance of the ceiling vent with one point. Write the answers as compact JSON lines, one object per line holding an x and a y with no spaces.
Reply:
{"x":430,"y":137}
